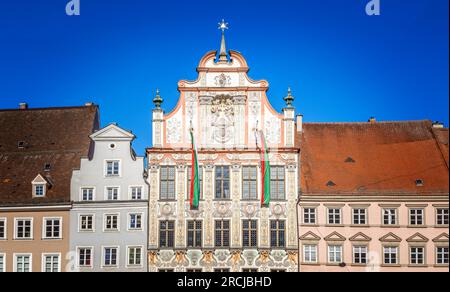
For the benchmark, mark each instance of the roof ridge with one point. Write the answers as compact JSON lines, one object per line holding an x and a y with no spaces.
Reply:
{"x":368,"y":123}
{"x":49,"y":108}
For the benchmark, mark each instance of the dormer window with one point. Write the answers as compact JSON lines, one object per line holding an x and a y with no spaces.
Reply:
{"x":21,"y":144}
{"x":39,"y":190}
{"x":113,"y":168}
{"x":40,"y":185}
{"x":47,"y":167}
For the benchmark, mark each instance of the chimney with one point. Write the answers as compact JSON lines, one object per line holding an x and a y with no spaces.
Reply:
{"x":23,"y":106}
{"x":89,"y":104}
{"x":300,"y":123}
{"x":372,"y":120}
{"x":438,"y":125}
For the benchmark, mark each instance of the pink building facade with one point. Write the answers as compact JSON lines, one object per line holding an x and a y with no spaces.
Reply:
{"x":374,"y":197}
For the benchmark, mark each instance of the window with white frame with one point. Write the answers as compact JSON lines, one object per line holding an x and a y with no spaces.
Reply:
{"x":442,"y":216}
{"x":113,"y":168}
{"x":250,"y":233}
{"x":335,"y":254}
{"x":110,"y":257}
{"x":87,"y":194}
{"x":112,"y":222}
{"x":112,"y":193}
{"x":51,"y":263}
{"x":24,"y":229}
{"x":442,"y":255}
{"x":359,"y":216}
{"x":194,"y":233}
{"x":135,"y":222}
{"x":86,"y":223}
{"x":166,"y":234}
{"x":416,"y":217}
{"x":309,"y":215}
{"x":222,"y":233}
{"x":85,"y":257}
{"x":360,"y":255}
{"x":2,"y":228}
{"x":310,"y":253}
{"x":390,"y":216}
{"x":417,"y":255}
{"x":23,"y":264}
{"x":249,"y":183}
{"x":2,"y":263}
{"x":222,"y":176}
{"x":136,"y":193}
{"x":277,"y":233}
{"x":167,"y":183}
{"x":390,"y":255}
{"x":334,"y":216}
{"x":277,"y":183}
{"x":134,"y":256}
{"x":52,"y":228}
{"x":39,"y":190}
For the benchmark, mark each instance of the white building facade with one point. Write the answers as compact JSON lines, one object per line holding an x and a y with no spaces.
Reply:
{"x":230,"y":231}
{"x":110,"y":201}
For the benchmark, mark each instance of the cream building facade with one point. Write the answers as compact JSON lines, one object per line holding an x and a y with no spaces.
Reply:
{"x":230,"y":231}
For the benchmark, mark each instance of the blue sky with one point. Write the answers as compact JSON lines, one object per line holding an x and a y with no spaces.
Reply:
{"x":341,"y":64}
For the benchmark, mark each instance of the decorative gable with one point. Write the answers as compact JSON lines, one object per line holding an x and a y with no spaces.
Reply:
{"x":390,"y":237}
{"x":112,"y":133}
{"x":39,"y":186}
{"x":441,"y":238}
{"x":360,"y":237}
{"x":310,"y":236}
{"x":417,"y":238}
{"x":335,"y":236}
{"x":39,"y":180}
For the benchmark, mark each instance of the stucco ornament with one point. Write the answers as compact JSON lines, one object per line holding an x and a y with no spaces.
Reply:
{"x":250,"y":210}
{"x":167,"y":210}
{"x":223,"y":80}
{"x":180,"y":259}
{"x":153,"y":258}
{"x":222,"y":119}
{"x":222,"y":209}
{"x":273,"y":130}
{"x":174,"y":131}
{"x":278,"y":210}
{"x":208,"y":258}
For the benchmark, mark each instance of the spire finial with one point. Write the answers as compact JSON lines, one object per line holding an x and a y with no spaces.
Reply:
{"x":158,"y":100}
{"x":289,"y":99}
{"x":223,"y":56}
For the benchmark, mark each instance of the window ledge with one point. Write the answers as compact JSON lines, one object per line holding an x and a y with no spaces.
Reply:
{"x":417,"y":266}
{"x":334,"y":225}
{"x":417,"y":226}
{"x":441,"y":266}
{"x":358,"y":265}
{"x":360,"y":225}
{"x":441,"y":226}
{"x":310,"y":264}
{"x":391,"y":265}
{"x":390,"y":226}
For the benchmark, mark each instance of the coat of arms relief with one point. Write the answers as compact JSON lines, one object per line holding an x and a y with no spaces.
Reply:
{"x":222,"y":119}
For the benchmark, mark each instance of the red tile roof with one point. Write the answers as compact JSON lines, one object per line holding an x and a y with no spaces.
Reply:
{"x":373,"y":158}
{"x":55,"y":136}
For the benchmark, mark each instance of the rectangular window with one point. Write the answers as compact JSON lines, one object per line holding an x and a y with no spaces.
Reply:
{"x":51,"y":263}
{"x":221,"y":270}
{"x":309,"y":216}
{"x":134,"y":256}
{"x":24,"y":229}
{"x":335,"y":254}
{"x":166,"y":234}
{"x":194,"y":271}
{"x":249,"y":183}
{"x":416,"y":217}
{"x":85,"y":257}
{"x":111,"y":222}
{"x":112,"y":193}
{"x":136,"y":193}
{"x":390,"y":255}
{"x":86,"y":223}
{"x":250,"y":233}
{"x":334,"y":216}
{"x":167,"y":185}
{"x":277,"y":183}
{"x":194,"y":233}
{"x":442,"y":255}
{"x":2,"y":263}
{"x":87,"y":194}
{"x":200,"y":180}
{"x":360,"y":255}
{"x":222,"y":182}
{"x":39,"y":190}
{"x":113,"y":168}
{"x":110,"y":257}
{"x":442,"y":216}
{"x":2,"y":229}
{"x":277,"y":233}
{"x":165,"y":270}
{"x":416,"y":255}
{"x":222,"y":233}
{"x":249,"y":270}
{"x":135,"y":222}
{"x":359,"y":216}
{"x":23,"y":264}
{"x":52,"y":228}
{"x":310,"y":253}
{"x":390,"y":216}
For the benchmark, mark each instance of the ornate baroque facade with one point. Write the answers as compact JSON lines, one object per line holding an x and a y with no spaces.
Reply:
{"x":230,"y":231}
